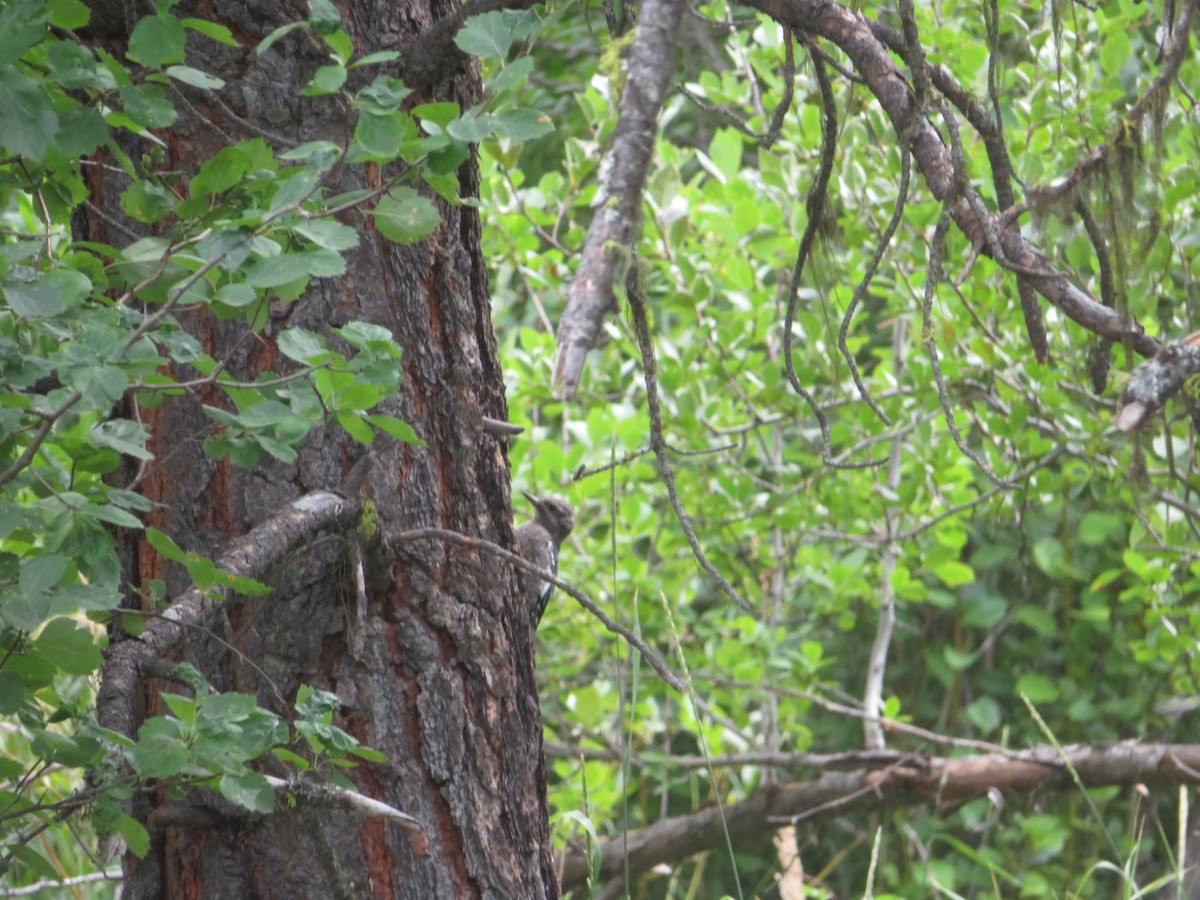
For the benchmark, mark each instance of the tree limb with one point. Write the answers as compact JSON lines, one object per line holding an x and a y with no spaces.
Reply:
{"x":1154,"y":382}
{"x":250,"y":556}
{"x":619,"y":197}
{"x":914,"y":779}
{"x":854,"y":35}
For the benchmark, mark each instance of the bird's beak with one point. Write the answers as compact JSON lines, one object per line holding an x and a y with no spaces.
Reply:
{"x":536,"y":501}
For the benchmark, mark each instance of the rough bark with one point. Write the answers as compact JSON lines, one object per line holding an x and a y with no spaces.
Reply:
{"x":443,"y":684}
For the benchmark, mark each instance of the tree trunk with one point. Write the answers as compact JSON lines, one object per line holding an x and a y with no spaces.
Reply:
{"x":441,"y":677}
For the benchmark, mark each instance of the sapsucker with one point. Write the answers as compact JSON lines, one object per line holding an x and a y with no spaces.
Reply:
{"x":538,"y":542}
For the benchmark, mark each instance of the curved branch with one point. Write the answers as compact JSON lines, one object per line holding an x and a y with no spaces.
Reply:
{"x":855,"y":36}
{"x":652,"y":658}
{"x":637,"y":304}
{"x":250,"y":556}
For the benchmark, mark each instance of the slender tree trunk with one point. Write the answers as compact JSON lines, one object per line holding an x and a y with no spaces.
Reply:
{"x":440,"y":678}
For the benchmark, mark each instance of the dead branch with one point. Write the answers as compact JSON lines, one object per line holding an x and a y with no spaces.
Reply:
{"x":909,"y":781}
{"x":619,"y":198}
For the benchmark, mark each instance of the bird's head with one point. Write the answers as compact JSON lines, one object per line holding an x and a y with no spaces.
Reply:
{"x":553,"y":513}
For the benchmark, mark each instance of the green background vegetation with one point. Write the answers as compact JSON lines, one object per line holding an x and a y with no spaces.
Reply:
{"x":1075,"y":587}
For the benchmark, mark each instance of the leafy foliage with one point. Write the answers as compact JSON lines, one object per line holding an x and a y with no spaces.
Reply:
{"x":1072,"y":588}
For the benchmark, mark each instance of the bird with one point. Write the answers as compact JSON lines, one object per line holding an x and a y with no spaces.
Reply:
{"x":538,"y":542}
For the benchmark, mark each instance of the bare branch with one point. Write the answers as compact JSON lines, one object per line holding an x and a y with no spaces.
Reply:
{"x":652,"y":658}
{"x":619,"y":197}
{"x":877,"y":662}
{"x":912,"y":780}
{"x":851,"y":32}
{"x":1153,"y":382}
{"x":637,"y":304}
{"x":814,"y":206}
{"x":334,"y":797}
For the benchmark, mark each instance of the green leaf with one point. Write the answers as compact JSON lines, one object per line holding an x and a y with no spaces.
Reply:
{"x":69,"y":647}
{"x":437,"y":115}
{"x":248,"y":789}
{"x":382,"y":96}
{"x":33,"y":299}
{"x":72,"y":66}
{"x":218,"y":33}
{"x":1038,"y":688}
{"x":237,"y":295}
{"x":275,"y":35}
{"x":1038,"y":619}
{"x":954,"y":573}
{"x":324,"y":18}
{"x":370,"y":337}
{"x":161,"y":750}
{"x":1048,"y":556}
{"x":1097,"y":528}
{"x":327,"y":234}
{"x":136,"y":837}
{"x":249,"y":587}
{"x":1115,"y":50}
{"x":115,"y":516}
{"x":68,"y":14}
{"x":28,"y":123}
{"x":472,"y":128}
{"x":229,"y":166}
{"x":396,"y":428}
{"x":102,"y":386}
{"x":379,"y":137}
{"x":523,"y":124}
{"x":21,"y":27}
{"x":312,"y":150}
{"x":81,"y":131}
{"x":302,"y":345}
{"x":956,"y":659}
{"x":195,"y":77}
{"x":383,"y":56}
{"x":356,"y":427}
{"x":296,"y":186}
{"x":164,"y":545}
{"x":265,"y":414}
{"x":157,"y":40}
{"x":405,"y":217}
{"x":278,"y":270}
{"x":41,"y":573}
{"x":1137,"y":563}
{"x":983,"y":610}
{"x":326,"y":80}
{"x":124,"y":436}
{"x":35,"y":862}
{"x":340,"y":45}
{"x":725,"y":150}
{"x":147,"y":104}
{"x":147,"y":201}
{"x":370,"y":754}
{"x":485,"y":35}
{"x":511,"y":76}
{"x":12,"y":698}
{"x":985,"y":714}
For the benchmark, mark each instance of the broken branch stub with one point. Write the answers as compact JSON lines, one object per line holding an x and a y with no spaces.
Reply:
{"x":1155,"y":381}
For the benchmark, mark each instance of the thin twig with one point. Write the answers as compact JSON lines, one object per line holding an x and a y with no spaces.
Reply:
{"x":637,"y":305}
{"x":815,"y":206}
{"x":474,"y":543}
